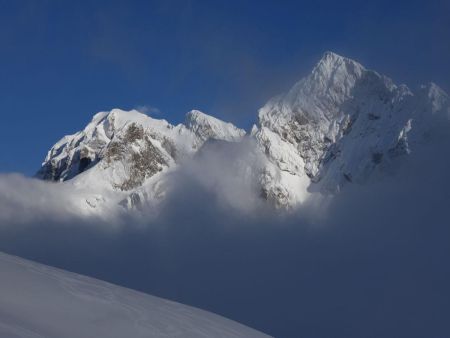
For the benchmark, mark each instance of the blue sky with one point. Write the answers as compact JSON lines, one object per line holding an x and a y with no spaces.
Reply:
{"x":62,"y":61}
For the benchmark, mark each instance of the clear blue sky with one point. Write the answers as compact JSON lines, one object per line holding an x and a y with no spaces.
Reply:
{"x":62,"y":61}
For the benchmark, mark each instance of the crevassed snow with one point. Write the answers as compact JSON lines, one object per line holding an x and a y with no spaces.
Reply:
{"x":41,"y":301}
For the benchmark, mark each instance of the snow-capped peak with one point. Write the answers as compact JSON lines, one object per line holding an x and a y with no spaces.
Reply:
{"x":206,"y":126}
{"x":339,"y":124}
{"x":330,"y":83}
{"x":332,"y":78}
{"x":331,"y":64}
{"x":120,"y":152}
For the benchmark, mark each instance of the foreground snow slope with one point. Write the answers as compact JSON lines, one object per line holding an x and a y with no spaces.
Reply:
{"x":41,"y":301}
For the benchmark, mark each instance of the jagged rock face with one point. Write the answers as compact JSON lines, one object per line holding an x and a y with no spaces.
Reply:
{"x":136,"y":149}
{"x":338,"y":125}
{"x":123,"y":151}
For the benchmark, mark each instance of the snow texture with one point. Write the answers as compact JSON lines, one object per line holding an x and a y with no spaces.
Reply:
{"x":38,"y":301}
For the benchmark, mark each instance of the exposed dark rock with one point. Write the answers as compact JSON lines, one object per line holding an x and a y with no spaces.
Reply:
{"x":84,"y":163}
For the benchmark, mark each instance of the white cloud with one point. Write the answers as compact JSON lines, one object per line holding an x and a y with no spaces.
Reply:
{"x":148,"y":110}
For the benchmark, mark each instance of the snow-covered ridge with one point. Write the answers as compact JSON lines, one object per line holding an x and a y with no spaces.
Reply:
{"x":121,"y":156}
{"x":41,"y":301}
{"x":336,"y":126}
{"x":75,"y":153}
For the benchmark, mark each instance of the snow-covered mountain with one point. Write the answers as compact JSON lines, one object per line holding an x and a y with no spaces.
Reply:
{"x":41,"y":301}
{"x":336,"y":126}
{"x":121,"y":157}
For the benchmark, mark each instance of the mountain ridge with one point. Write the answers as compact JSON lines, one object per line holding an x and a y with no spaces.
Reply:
{"x":336,"y":126}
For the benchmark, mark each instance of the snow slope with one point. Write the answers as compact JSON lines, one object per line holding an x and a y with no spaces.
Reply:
{"x":41,"y":301}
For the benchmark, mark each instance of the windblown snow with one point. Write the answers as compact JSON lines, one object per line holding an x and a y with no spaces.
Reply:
{"x":41,"y":301}
{"x":337,"y":126}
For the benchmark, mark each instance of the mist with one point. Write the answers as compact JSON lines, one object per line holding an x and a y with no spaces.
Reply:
{"x":372,"y":262}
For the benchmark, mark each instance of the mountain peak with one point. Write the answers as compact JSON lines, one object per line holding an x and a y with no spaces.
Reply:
{"x":331,"y":64}
{"x":195,"y":119}
{"x":331,"y":81}
{"x":337,"y":125}
{"x":206,"y":126}
{"x":195,"y":116}
{"x":331,"y":56}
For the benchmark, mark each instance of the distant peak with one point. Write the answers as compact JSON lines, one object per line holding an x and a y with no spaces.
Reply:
{"x":335,"y":68}
{"x":196,"y":113}
{"x":331,"y":55}
{"x":207,"y":126}
{"x":195,"y":117}
{"x":331,"y":60}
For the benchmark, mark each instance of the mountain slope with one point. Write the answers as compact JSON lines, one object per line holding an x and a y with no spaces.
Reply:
{"x":41,"y":301}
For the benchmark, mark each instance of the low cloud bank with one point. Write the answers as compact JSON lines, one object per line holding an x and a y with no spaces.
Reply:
{"x":373,"y":263}
{"x":26,"y":201}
